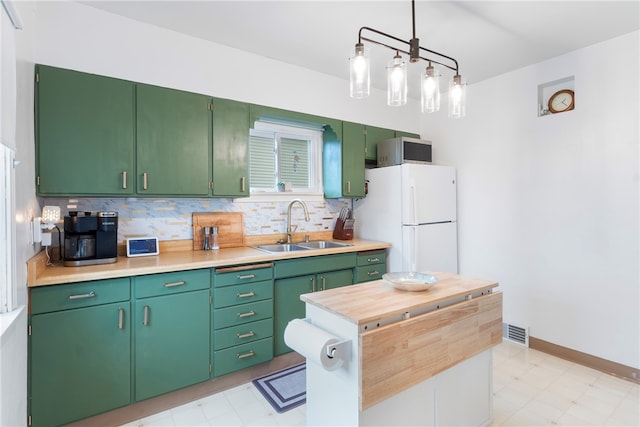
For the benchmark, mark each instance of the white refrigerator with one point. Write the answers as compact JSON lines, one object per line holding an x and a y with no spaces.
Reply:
{"x":413,"y":207}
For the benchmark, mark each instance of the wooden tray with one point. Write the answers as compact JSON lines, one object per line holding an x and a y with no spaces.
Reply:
{"x":230,"y":228}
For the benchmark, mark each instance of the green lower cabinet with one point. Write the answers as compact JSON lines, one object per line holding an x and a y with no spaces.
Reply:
{"x":80,"y":363}
{"x":242,"y":356}
{"x":288,"y":305}
{"x":371,"y":265}
{"x":172,"y":342}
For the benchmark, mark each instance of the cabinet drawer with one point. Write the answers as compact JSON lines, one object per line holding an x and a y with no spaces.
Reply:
{"x":242,"y":274}
{"x":372,"y":257}
{"x":370,"y":272}
{"x":241,"y":334}
{"x":243,"y":313}
{"x":316,"y":264}
{"x":242,"y":294}
{"x":84,"y":294}
{"x":170,"y":283}
{"x":242,"y":356}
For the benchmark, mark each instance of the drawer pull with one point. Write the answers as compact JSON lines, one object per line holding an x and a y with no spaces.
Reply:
{"x":145,"y":316}
{"x":145,"y":181}
{"x":313,"y":284}
{"x":120,"y":318}
{"x":247,"y":335}
{"x":245,"y":355}
{"x":247,"y":314}
{"x":373,"y":273}
{"x":246,"y":276}
{"x":91,"y":294}
{"x":124,"y":180}
{"x":373,"y":260}
{"x":171,"y":285}
{"x":324,"y":283}
{"x":247,"y":295}
{"x":242,"y":184}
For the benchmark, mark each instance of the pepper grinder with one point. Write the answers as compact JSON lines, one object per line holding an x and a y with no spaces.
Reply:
{"x":207,"y":238}
{"x":214,"y":235}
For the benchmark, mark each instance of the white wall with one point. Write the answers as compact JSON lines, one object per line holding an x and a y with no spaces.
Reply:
{"x":79,"y":37}
{"x":548,"y":206}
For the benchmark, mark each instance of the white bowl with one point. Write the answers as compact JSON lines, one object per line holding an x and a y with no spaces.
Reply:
{"x":410,"y":281}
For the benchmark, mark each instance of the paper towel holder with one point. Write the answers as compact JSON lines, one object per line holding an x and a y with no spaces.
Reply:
{"x":337,"y":350}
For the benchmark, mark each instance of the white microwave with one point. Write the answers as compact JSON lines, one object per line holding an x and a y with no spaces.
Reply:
{"x":403,"y":149}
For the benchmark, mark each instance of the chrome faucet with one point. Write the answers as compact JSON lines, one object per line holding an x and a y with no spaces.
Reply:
{"x":290,"y":228}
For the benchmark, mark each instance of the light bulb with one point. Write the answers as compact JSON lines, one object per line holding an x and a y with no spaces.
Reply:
{"x":430,"y":90}
{"x":359,"y":82}
{"x":457,"y":97}
{"x":397,"y":82}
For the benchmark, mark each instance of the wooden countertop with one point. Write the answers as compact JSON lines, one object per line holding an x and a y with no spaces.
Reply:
{"x":377,"y":300}
{"x":39,"y":274}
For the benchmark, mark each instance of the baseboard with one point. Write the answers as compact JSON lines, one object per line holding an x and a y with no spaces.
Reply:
{"x":603,"y":365}
{"x":148,"y":407}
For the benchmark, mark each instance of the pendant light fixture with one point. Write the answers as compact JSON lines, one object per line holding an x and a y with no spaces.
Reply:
{"x":397,"y":71}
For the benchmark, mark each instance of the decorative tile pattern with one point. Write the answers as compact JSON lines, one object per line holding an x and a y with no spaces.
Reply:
{"x":170,"y":219}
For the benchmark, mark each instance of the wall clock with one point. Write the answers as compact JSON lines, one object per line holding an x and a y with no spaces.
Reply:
{"x":562,"y":100}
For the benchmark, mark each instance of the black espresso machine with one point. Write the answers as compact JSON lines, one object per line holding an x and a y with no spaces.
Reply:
{"x":90,"y":238}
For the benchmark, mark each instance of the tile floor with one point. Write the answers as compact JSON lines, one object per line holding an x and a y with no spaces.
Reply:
{"x":530,"y":388}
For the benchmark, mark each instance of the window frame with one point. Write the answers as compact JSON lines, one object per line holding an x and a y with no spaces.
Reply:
{"x":313,"y":134}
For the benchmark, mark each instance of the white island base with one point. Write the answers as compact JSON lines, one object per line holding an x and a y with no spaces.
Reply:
{"x":428,"y":369}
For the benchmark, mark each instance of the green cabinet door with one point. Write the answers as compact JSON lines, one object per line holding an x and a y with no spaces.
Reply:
{"x":343,"y":162}
{"x":84,"y":133}
{"x":288,"y":306}
{"x":230,"y":148}
{"x":173,"y":142}
{"x":172,"y":342}
{"x":375,"y":135}
{"x":335,"y":279}
{"x":80,"y":363}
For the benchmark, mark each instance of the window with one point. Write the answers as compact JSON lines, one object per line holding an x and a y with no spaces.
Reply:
{"x":285,"y":155}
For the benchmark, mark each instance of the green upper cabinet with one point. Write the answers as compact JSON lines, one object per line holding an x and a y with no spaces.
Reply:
{"x":84,"y":133}
{"x":230,"y":148}
{"x":343,"y":162}
{"x":173,"y":142}
{"x":373,"y":136}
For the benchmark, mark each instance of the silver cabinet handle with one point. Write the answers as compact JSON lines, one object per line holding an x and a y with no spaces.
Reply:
{"x":120,"y":318}
{"x":247,"y":314}
{"x":348,"y":187}
{"x":373,"y":273}
{"x":373,"y":260}
{"x":247,"y":295}
{"x":124,"y":180}
{"x":246,"y":276}
{"x":145,"y":180}
{"x":145,"y":317}
{"x":244,"y":355}
{"x":91,"y":294}
{"x":313,"y":284}
{"x":324,"y":283}
{"x":242,"y":184}
{"x":172,"y":284}
{"x":247,"y":335}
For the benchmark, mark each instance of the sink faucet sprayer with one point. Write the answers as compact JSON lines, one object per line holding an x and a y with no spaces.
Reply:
{"x":290,"y":228}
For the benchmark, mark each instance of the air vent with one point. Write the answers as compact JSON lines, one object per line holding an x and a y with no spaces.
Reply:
{"x":516,"y":334}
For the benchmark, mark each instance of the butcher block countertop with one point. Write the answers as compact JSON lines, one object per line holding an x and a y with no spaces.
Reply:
{"x":374,"y":301}
{"x":40,"y":274}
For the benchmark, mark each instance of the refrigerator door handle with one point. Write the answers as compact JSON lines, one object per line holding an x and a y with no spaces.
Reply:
{"x":413,"y":249}
{"x":412,"y":203}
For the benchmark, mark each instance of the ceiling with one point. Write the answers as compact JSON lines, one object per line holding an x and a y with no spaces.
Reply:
{"x":487,"y":38}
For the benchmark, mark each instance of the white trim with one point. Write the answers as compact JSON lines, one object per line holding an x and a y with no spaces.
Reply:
{"x":12,"y":13}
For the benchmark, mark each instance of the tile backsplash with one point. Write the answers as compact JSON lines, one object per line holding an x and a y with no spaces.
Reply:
{"x":170,"y":219}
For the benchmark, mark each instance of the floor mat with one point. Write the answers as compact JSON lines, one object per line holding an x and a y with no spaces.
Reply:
{"x":285,"y":389}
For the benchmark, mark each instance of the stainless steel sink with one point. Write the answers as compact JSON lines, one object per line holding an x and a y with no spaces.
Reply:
{"x":323,"y":244}
{"x":302,"y":246}
{"x":281,"y":247}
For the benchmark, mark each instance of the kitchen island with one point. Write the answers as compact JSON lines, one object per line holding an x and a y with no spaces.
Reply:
{"x":412,"y":358}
